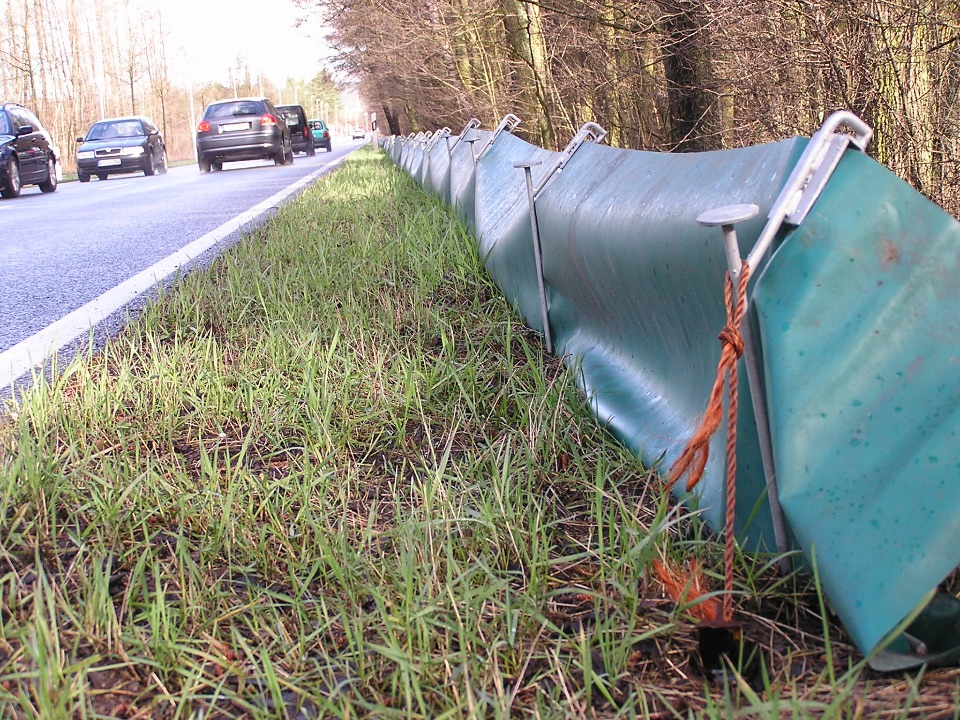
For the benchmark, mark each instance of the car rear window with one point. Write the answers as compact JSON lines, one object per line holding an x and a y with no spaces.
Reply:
{"x":291,"y":115}
{"x":229,"y":109}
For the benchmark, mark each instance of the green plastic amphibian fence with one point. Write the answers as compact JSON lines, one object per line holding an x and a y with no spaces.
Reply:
{"x":847,"y":432}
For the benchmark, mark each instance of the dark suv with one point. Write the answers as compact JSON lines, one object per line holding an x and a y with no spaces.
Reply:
{"x":242,"y":129}
{"x":28,"y":155}
{"x":296,"y":119}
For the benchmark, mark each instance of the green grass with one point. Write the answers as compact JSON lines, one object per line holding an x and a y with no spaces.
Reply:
{"x":333,"y":476}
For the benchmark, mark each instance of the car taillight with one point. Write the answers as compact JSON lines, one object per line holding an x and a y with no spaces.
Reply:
{"x":203,"y":126}
{"x":326,"y":134}
{"x":306,"y":132}
{"x":267,"y":120}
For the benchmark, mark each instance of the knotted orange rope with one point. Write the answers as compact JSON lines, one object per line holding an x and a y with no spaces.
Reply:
{"x":693,"y":459}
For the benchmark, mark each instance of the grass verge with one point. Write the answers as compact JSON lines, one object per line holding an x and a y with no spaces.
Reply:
{"x":333,"y":476}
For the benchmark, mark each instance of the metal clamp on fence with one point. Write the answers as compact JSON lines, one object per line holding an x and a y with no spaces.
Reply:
{"x":809,"y":177}
{"x":443,"y":132}
{"x":472,"y":124}
{"x":589,"y":132}
{"x":509,"y":123}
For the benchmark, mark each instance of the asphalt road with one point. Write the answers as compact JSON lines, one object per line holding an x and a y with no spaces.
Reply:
{"x":60,"y":252}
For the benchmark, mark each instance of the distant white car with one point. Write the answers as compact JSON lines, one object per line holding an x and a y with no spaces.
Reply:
{"x":359,"y":133}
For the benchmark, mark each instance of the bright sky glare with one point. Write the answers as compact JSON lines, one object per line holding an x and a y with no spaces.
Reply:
{"x":206,"y":36}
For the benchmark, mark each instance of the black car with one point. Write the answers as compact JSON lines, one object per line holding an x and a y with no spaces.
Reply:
{"x":28,"y":155}
{"x":321,"y":134}
{"x":296,"y":119}
{"x":242,"y":129}
{"x":121,"y":145}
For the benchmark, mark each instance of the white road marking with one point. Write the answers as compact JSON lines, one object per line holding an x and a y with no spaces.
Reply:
{"x":30,"y":353}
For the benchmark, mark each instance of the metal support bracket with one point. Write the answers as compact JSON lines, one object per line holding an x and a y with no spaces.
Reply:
{"x":589,"y":132}
{"x":509,"y":123}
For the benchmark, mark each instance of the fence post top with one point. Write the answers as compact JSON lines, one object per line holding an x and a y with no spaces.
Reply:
{"x":727,"y":215}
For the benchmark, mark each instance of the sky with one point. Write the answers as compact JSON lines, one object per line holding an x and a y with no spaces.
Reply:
{"x":205,"y":37}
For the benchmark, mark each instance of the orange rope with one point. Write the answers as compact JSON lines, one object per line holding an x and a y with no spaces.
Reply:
{"x":688,"y":589}
{"x":693,"y":459}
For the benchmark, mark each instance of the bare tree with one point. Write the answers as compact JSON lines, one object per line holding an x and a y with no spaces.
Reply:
{"x":668,"y":74}
{"x":692,"y":108}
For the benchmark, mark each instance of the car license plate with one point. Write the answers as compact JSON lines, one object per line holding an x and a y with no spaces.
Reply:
{"x":108,"y":163}
{"x":230,"y":127}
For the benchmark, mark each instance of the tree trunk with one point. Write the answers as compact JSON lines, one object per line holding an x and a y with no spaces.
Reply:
{"x":527,"y":50}
{"x":686,"y":63}
{"x":393,"y":123}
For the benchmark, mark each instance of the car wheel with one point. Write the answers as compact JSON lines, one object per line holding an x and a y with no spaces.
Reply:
{"x":82,"y":176}
{"x":204,"y":165}
{"x":289,"y":158}
{"x":150,"y":165}
{"x":103,"y":176}
{"x":330,"y":148}
{"x":11,"y":188}
{"x":50,"y":184}
{"x":280,"y":157}
{"x":217,"y":165}
{"x":162,"y":167}
{"x":311,"y":151}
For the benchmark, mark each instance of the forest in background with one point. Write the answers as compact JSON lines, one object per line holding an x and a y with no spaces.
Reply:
{"x":667,"y":75}
{"x":75,"y":61}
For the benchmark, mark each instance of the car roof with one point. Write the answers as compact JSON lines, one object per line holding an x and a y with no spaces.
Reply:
{"x":13,"y":103}
{"x":125,"y":118}
{"x":258,"y":98}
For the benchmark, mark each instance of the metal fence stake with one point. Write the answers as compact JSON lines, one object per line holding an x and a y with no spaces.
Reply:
{"x":538,"y":257}
{"x":473,"y":148}
{"x":726,"y":217}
